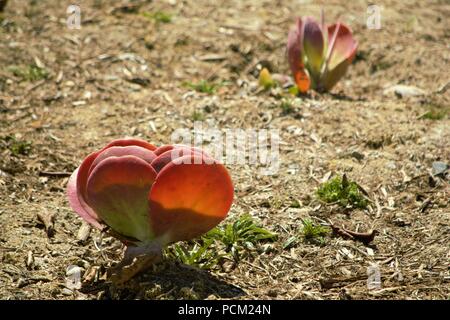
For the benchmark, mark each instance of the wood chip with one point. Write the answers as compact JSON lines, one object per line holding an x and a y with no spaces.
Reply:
{"x":365,"y":238}
{"x":84,"y":232}
{"x":48,"y":220}
{"x":30,"y":260}
{"x":54,"y":174}
{"x":212,"y":57}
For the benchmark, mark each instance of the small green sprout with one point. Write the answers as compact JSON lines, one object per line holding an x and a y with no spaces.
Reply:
{"x":294,"y":91}
{"x":29,"y":73}
{"x":265,"y":79}
{"x":286,"y":106}
{"x":200,"y":254}
{"x":244,"y":233}
{"x":290,"y":242}
{"x":435,"y":112}
{"x":17,"y":147}
{"x":340,"y":190}
{"x":313,"y":232}
{"x":203,"y":86}
{"x":310,"y":232}
{"x":220,"y":243}
{"x":295,"y":204}
{"x":158,"y":16}
{"x":198,"y":116}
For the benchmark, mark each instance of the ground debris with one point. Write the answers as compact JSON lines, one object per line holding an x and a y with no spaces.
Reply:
{"x":365,"y":238}
{"x":329,"y":283}
{"x":83,"y":232}
{"x":48,"y":219}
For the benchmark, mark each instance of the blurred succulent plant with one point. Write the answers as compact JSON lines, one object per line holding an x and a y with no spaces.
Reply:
{"x":148,"y":197}
{"x":319,"y":55}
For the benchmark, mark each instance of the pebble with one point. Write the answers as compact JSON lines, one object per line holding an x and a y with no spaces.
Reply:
{"x":439,"y":168}
{"x":83,"y":232}
{"x":403,"y":91}
{"x":66,"y":292}
{"x":272,"y":293}
{"x":391,"y":165}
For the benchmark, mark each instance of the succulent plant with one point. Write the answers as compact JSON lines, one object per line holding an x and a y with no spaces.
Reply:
{"x":148,"y":197}
{"x":319,"y":55}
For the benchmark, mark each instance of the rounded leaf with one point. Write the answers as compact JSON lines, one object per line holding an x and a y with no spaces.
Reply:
{"x":187,"y":200}
{"x":314,"y":46}
{"x":296,"y":56}
{"x":116,"y":151}
{"x":342,"y":45}
{"x":117,"y":190}
{"x":78,"y":204}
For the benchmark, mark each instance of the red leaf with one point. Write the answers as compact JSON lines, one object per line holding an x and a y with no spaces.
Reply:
{"x":116,"y":151}
{"x":117,"y":190}
{"x":295,"y":57}
{"x":130,"y":142}
{"x":314,"y":46}
{"x":174,"y":153}
{"x":187,"y":200}
{"x":78,"y":204}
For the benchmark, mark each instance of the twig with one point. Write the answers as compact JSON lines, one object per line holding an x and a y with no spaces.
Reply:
{"x":54,"y":174}
{"x":339,"y":282}
{"x":365,"y":238}
{"x":425,"y":205}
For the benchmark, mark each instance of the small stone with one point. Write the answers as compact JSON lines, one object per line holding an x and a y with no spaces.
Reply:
{"x":272,"y":293}
{"x":66,"y":292}
{"x":439,"y":168}
{"x":403,"y":91}
{"x":391,"y":165}
{"x":400,"y":222}
{"x":30,"y":260}
{"x":358,"y":156}
{"x":83,"y":232}
{"x":55,"y":253}
{"x":73,"y":277}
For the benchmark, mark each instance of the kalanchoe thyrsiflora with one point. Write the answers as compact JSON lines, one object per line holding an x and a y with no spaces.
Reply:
{"x":319,"y":54}
{"x":148,"y":196}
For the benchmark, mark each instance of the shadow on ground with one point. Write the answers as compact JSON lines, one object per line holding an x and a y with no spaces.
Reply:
{"x":168,"y":280}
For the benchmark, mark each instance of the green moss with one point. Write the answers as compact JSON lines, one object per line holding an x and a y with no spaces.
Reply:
{"x":198,"y":116}
{"x":17,"y":147}
{"x":342,"y":191}
{"x":286,"y":106}
{"x":203,"y":86}
{"x":29,"y":73}
{"x":295,"y":204}
{"x":158,"y":16}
